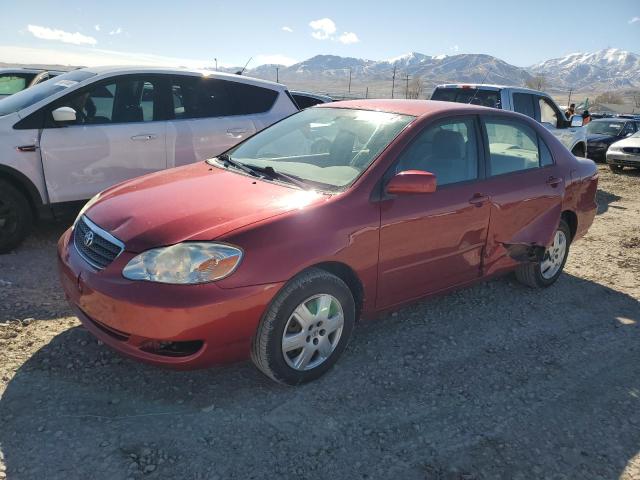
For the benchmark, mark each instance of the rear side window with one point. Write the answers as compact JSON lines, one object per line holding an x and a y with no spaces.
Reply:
{"x":548,"y":114}
{"x":513,"y":146}
{"x":10,"y":84}
{"x":195,"y":97}
{"x":524,"y":103}
{"x":474,"y":96}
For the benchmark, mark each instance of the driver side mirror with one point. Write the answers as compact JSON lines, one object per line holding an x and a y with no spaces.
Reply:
{"x":576,"y":121}
{"x":412,"y":181}
{"x":64,"y":114}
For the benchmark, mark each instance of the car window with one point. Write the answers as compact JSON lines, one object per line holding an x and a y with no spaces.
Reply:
{"x":475,"y":96}
{"x":524,"y":103}
{"x":10,"y":84}
{"x":547,"y":112}
{"x":545,"y":154}
{"x":605,"y":127}
{"x":448,"y":150}
{"x":513,"y":146}
{"x":124,"y":100}
{"x":305,"y":101}
{"x":250,"y":99}
{"x":629,"y":128}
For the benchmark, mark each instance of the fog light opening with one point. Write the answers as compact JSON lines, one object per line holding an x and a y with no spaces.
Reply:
{"x":172,"y":349}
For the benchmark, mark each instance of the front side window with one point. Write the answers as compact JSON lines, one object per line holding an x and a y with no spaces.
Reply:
{"x":325,"y":147}
{"x":513,"y":146}
{"x":124,"y":100}
{"x":448,"y":150}
{"x":547,"y":112}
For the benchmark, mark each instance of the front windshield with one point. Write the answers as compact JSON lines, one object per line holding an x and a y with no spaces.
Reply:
{"x":325,"y":147}
{"x":14,"y":82}
{"x":30,"y":96}
{"x":605,"y":128}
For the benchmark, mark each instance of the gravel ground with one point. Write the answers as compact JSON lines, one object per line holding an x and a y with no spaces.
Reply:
{"x":494,"y":381}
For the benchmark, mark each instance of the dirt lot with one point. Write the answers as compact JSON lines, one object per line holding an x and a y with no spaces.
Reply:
{"x":495,"y":381}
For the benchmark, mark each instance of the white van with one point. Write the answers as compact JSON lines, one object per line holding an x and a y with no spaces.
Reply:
{"x":66,"y":139}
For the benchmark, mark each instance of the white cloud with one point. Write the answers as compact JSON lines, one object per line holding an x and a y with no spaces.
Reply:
{"x":276,"y":59}
{"x":323,"y":28}
{"x":117,"y":31}
{"x":46,"y":33}
{"x":287,"y":29}
{"x":455,"y":48}
{"x":348,"y":38}
{"x":97,"y":27}
{"x":634,"y":20}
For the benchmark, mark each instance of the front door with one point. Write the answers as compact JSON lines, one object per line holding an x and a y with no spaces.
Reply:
{"x":118,"y":134}
{"x":429,"y":242}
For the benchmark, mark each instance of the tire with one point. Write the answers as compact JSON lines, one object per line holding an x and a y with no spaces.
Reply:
{"x":537,"y":275}
{"x":616,"y":168}
{"x":579,"y":151}
{"x":16,"y":217}
{"x":309,"y":288}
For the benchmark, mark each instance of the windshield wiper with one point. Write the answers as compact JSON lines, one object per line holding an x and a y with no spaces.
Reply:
{"x":273,"y":173}
{"x":227,"y":160}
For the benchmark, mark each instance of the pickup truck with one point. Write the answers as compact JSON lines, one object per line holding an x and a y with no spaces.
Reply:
{"x":535,"y":104}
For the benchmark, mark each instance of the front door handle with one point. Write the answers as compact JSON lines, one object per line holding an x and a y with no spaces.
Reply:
{"x":554,"y":181}
{"x":144,"y":137}
{"x":478,"y":199}
{"x":236,"y":132}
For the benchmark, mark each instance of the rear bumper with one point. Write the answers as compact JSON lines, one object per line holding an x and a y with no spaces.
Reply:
{"x":135,"y":317}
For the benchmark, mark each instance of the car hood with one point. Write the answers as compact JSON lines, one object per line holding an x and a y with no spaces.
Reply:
{"x":195,"y":202}
{"x":601,"y":138}
{"x":628,"y":142}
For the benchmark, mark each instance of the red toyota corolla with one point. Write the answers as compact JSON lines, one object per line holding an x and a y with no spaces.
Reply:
{"x":276,"y":248}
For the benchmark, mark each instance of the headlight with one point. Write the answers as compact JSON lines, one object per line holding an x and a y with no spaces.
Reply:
{"x":615,"y":148}
{"x":185,"y":263}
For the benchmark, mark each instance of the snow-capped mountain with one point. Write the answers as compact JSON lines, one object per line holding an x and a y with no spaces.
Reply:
{"x":605,"y":69}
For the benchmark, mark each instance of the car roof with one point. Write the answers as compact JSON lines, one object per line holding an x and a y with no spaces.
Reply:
{"x":123,"y":69}
{"x":21,"y":70}
{"x":611,"y":119}
{"x":488,"y":86}
{"x":416,"y":108}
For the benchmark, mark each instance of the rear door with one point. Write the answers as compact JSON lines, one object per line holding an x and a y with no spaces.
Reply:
{"x":210,"y":116}
{"x":429,"y":242}
{"x":119,"y":133}
{"x":526,"y":189}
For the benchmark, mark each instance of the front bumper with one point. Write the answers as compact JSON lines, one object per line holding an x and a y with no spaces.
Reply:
{"x":625,"y":159}
{"x":136,"y":317}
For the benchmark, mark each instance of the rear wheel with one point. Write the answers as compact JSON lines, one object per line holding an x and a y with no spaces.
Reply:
{"x":305,"y":329}
{"x":16,"y":217}
{"x":579,"y":151}
{"x":545,"y":273}
{"x":616,"y":168}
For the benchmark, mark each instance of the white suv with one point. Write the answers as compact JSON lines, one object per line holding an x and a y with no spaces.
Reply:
{"x":534,"y":104}
{"x":68,"y":138}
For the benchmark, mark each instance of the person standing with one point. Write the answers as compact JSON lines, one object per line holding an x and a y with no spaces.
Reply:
{"x":571,"y":111}
{"x":586,"y":117}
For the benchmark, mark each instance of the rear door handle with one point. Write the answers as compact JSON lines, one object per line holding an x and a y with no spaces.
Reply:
{"x":144,"y":137}
{"x":478,"y":199}
{"x":554,"y":181}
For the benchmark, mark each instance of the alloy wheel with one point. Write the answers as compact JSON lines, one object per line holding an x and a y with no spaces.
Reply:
{"x":554,"y":256}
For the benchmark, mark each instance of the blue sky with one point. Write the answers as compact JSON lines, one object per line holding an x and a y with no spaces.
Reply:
{"x":194,"y":32}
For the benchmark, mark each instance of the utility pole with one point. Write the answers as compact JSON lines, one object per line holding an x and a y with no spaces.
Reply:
{"x":277,"y":74}
{"x":393,"y":80}
{"x":406,"y":91}
{"x":349,"y":79}
{"x":569,"y":101}
{"x":216,"y":60}
{"x":366,"y":93}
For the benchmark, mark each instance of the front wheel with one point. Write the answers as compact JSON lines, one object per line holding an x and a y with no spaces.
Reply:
{"x":616,"y":168}
{"x":15,"y":217}
{"x":305,"y":329}
{"x":545,"y":273}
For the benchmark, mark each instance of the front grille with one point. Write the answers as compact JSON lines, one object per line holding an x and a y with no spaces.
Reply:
{"x":97,"y":247}
{"x":631,"y":150}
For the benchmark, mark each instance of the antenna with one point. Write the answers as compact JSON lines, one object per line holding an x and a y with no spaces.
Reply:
{"x":245,"y":67}
{"x":482,"y":83}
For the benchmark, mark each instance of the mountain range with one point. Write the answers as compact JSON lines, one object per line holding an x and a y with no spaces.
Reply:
{"x":603,"y":70}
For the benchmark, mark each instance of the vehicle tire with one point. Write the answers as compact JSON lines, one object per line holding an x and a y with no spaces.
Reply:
{"x":305,"y":328}
{"x":545,"y":273}
{"x":579,"y":151}
{"x":616,"y":168}
{"x":16,"y":217}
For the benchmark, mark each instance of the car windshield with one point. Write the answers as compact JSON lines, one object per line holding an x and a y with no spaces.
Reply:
{"x":475,"y":96}
{"x":327,"y":148}
{"x":605,"y":128}
{"x":13,"y":82}
{"x":30,"y":96}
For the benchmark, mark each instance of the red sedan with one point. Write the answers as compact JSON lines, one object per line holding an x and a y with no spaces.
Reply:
{"x":274,"y":249}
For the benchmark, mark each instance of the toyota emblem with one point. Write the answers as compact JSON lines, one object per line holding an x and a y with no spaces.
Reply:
{"x":88,"y":238}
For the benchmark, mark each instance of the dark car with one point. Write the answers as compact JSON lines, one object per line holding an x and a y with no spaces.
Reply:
{"x":308,"y":99}
{"x":13,"y":80}
{"x":601,"y":133}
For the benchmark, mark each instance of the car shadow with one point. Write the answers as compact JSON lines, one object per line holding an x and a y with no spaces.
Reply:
{"x":604,"y":198}
{"x":493,"y":381}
